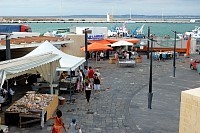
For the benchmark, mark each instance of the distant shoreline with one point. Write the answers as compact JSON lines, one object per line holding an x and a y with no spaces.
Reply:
{"x":91,"y":20}
{"x":98,"y":19}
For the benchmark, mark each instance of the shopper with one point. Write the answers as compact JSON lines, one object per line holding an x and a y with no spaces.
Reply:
{"x":96,"y":83}
{"x":87,"y":91}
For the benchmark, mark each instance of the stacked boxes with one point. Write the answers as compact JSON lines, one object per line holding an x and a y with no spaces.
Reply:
{"x":190,"y":111}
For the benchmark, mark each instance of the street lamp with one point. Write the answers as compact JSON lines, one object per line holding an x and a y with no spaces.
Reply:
{"x":8,"y":53}
{"x":150,"y":94}
{"x":86,"y":47}
{"x":148,"y":42}
{"x":174,"y":57}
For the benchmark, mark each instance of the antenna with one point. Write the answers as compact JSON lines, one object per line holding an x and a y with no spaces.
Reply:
{"x":61,"y":9}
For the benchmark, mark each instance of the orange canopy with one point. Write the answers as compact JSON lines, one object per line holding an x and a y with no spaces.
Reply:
{"x":100,"y":41}
{"x":188,"y":46}
{"x":97,"y":47}
{"x":134,"y":41}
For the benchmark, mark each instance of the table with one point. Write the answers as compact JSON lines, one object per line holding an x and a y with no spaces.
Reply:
{"x":22,"y":118}
{"x":127,"y":62}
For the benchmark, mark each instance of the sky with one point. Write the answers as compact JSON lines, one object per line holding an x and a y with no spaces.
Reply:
{"x":98,"y":7}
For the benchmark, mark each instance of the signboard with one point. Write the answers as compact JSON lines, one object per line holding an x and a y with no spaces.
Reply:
{"x":96,"y":37}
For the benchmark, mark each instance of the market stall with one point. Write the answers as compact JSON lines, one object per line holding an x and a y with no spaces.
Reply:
{"x":28,"y":109}
{"x":67,"y":62}
{"x":31,"y":108}
{"x":44,"y":64}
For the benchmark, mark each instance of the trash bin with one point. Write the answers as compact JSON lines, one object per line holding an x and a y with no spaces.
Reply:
{"x":61,"y":100}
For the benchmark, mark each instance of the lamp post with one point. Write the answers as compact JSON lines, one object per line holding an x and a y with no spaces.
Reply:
{"x":174,"y":57}
{"x":148,"y":42}
{"x":86,"y":50}
{"x":8,"y":53}
{"x":150,"y":94}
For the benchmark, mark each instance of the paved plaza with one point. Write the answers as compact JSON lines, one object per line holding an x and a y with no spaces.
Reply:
{"x":121,"y":106}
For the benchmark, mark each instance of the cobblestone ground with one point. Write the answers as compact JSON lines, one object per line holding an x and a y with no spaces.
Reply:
{"x":121,"y":106}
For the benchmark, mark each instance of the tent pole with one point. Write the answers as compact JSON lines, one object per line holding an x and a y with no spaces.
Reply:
{"x":96,"y":57}
{"x":51,"y":78}
{"x":70,"y":85}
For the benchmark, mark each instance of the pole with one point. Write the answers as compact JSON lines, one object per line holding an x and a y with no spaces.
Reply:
{"x":174,"y":61}
{"x":86,"y":50}
{"x":150,"y":94}
{"x":148,"y":42}
{"x":8,"y":53}
{"x":70,"y":85}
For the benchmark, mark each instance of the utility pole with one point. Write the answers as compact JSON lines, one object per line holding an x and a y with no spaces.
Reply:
{"x":148,"y":42}
{"x":8,"y":53}
{"x":86,"y":47}
{"x":150,"y":94}
{"x":174,"y":57}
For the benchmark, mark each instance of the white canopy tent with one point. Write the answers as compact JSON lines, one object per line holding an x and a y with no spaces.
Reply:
{"x":67,"y":62}
{"x":121,"y":43}
{"x":45,"y":64}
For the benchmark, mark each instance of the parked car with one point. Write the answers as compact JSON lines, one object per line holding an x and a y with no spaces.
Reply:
{"x":194,"y":63}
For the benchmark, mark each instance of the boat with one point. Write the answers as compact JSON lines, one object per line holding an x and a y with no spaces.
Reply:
{"x":194,"y":33}
{"x":118,"y":31}
{"x":58,"y":32}
{"x":138,"y":32}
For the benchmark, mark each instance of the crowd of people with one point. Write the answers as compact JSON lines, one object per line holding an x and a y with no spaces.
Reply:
{"x":87,"y":80}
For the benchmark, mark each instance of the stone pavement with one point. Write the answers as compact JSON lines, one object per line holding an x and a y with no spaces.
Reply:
{"x":121,"y":106}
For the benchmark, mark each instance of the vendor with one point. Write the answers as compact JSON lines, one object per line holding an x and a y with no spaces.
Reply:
{"x":63,"y":76}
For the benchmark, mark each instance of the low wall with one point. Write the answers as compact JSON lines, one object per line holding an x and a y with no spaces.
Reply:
{"x":190,"y":111}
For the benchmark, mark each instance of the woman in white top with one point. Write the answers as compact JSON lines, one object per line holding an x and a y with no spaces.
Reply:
{"x":87,"y":91}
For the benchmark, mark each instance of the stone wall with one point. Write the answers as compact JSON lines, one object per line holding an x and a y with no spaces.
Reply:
{"x":74,"y":48}
{"x":190,"y":111}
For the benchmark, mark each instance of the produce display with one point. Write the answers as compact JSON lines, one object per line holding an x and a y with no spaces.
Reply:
{"x":30,"y":103}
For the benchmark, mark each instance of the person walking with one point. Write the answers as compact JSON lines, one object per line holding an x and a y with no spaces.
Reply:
{"x":91,"y":75}
{"x":101,"y":56}
{"x":96,"y":83}
{"x":88,"y":91}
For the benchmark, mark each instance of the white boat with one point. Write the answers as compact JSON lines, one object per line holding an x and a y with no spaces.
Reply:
{"x":58,"y":32}
{"x":194,"y":33}
{"x":118,"y":31}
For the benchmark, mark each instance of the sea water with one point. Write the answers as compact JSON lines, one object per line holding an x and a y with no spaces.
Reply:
{"x":159,"y":29}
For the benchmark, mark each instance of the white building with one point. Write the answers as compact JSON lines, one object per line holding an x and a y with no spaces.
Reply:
{"x":94,"y":33}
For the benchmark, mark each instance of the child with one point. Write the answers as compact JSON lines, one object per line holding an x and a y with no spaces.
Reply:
{"x":73,"y":126}
{"x":58,"y":123}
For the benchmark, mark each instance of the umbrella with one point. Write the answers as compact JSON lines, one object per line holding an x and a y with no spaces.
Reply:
{"x":97,"y":47}
{"x":100,"y":41}
{"x":121,"y":43}
{"x":134,"y":40}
